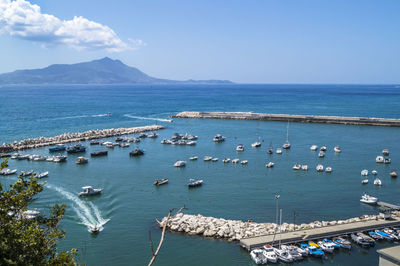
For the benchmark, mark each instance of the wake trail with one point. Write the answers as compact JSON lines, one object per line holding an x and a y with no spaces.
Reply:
{"x":148,"y":118}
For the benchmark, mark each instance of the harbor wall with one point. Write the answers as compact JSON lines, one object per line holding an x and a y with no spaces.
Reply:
{"x":73,"y":137}
{"x":371,"y":121}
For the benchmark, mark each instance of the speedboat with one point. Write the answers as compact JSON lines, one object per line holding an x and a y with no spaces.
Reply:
{"x":359,"y":240}
{"x":180,"y":164}
{"x":235,"y":160}
{"x":82,"y":160}
{"x":193,"y":158}
{"x":89,"y":191}
{"x":337,"y":149}
{"x":270,"y":165}
{"x":136,"y":152}
{"x":257,"y":255}
{"x":76,"y":148}
{"x":364,"y":181}
{"x":226,"y":160}
{"x":99,"y":153}
{"x":393,"y":174}
{"x":42,"y":175}
{"x":374,"y":172}
{"x":283,"y":255}
{"x":191,"y":143}
{"x":334,"y":244}
{"x":214,"y":159}
{"x":244,"y":162}
{"x":159,"y":182}
{"x":328,"y":169}
{"x":58,"y":148}
{"x":292,"y":250}
{"x":256,"y":144}
{"x":219,"y":138}
{"x":385,"y":152}
{"x":387,"y":161}
{"x":367,"y":239}
{"x":342,"y":242}
{"x":304,"y":167}
{"x":384,"y":235}
{"x":321,"y":154}
{"x":375,"y":235}
{"x":240,"y":147}
{"x":314,"y":147}
{"x":296,"y":166}
{"x":368,"y":199}
{"x":278,"y":151}
{"x":195,"y":183}
{"x":326,"y":247}
{"x":364,"y":172}
{"x":320,"y":168}
{"x":323,"y":148}
{"x":269,"y":253}
{"x":7,"y":171}
{"x":377,"y":182}
{"x":207,"y":158}
{"x":26,"y":173}
{"x":152,"y":135}
{"x":379,"y":159}
{"x":94,"y":230}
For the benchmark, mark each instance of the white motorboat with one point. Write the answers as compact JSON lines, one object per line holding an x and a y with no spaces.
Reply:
{"x":214,"y":159}
{"x":240,"y":148}
{"x":321,"y":154}
{"x":292,"y":250}
{"x":94,"y":230}
{"x":278,"y":151}
{"x":328,"y":169}
{"x":337,"y":149}
{"x":257,"y":255}
{"x":327,"y":247}
{"x":82,"y":160}
{"x":193,"y":158}
{"x":43,"y":175}
{"x":191,"y":143}
{"x":256,"y":144}
{"x":270,"y":165}
{"x":195,"y":183}
{"x":320,"y":168}
{"x":377,"y":182}
{"x":283,"y":255}
{"x":226,"y":160}
{"x":7,"y":171}
{"x":39,"y":158}
{"x":124,"y":145}
{"x":207,"y":158}
{"x":30,"y":214}
{"x":244,"y":162}
{"x":219,"y":138}
{"x":374,"y":172}
{"x":314,"y":147}
{"x":364,"y":172}
{"x":269,"y":253}
{"x":286,"y":145}
{"x":385,"y":152}
{"x":364,"y":181}
{"x":304,"y":167}
{"x":387,"y":161}
{"x":235,"y":160}
{"x":152,"y":135}
{"x":393,"y":174}
{"x":89,"y":191}
{"x":379,"y":159}
{"x":180,"y":164}
{"x":368,"y":199}
{"x":323,"y":148}
{"x":296,"y":166}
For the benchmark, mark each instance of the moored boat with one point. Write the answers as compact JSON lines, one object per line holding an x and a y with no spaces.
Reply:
{"x":379,"y":159}
{"x":82,"y":160}
{"x":320,"y":168}
{"x":364,"y":172}
{"x":244,"y":162}
{"x":283,"y":255}
{"x":235,"y":160}
{"x":387,"y":161}
{"x":136,"y":152}
{"x":193,"y":158}
{"x":76,"y":148}
{"x":207,"y":158}
{"x":270,"y":165}
{"x":226,"y":160}
{"x":321,"y":154}
{"x":296,"y":166}
{"x":240,"y":148}
{"x":393,"y":174}
{"x":26,"y":173}
{"x":328,"y":169}
{"x":219,"y":138}
{"x":7,"y":171}
{"x":195,"y":183}
{"x":42,"y":175}
{"x":385,"y":152}
{"x":99,"y":153}
{"x":256,"y":144}
{"x":278,"y":151}
{"x":344,"y":243}
{"x":360,"y":241}
{"x":58,"y":148}
{"x":313,"y":147}
{"x":257,"y":256}
{"x":180,"y":164}
{"x":159,"y":182}
{"x":368,"y":199}
{"x":377,"y":182}
{"x":304,"y":167}
{"x":337,"y":149}
{"x":364,"y":181}
{"x":94,"y":142}
{"x":326,"y":247}
{"x":269,"y":253}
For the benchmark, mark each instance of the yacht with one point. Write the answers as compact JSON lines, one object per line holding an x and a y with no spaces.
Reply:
{"x":136,"y":152}
{"x":180,"y":164}
{"x":379,"y":159}
{"x":58,"y":148}
{"x":257,"y":255}
{"x":283,"y":255}
{"x":337,"y":149}
{"x":270,"y":165}
{"x":193,"y":158}
{"x":214,"y":159}
{"x":269,"y":253}
{"x":314,"y":147}
{"x":368,"y":199}
{"x":385,"y":152}
{"x":393,"y":174}
{"x":321,"y":154}
{"x":364,"y":181}
{"x":304,"y":167}
{"x":195,"y":183}
{"x":82,"y":160}
{"x":159,"y":182}
{"x":377,"y":182}
{"x":226,"y":160}
{"x":207,"y":158}
{"x":256,"y":144}
{"x":89,"y":191}
{"x":320,"y":168}
{"x":364,"y":172}
{"x":76,"y":148}
{"x":328,"y":169}
{"x":296,"y":166}
{"x":240,"y":147}
{"x":219,"y":138}
{"x":244,"y":162}
{"x":235,"y":160}
{"x":278,"y":151}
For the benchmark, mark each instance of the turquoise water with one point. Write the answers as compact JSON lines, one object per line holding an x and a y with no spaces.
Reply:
{"x":130,"y":203}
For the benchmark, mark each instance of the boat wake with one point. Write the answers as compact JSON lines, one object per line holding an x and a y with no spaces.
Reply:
{"x":87,"y":212}
{"x":101,"y":115}
{"x":148,"y":118}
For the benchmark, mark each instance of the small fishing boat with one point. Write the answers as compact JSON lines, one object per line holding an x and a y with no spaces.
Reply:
{"x":367,"y":239}
{"x":296,"y":166}
{"x":26,"y":173}
{"x":134,"y":140}
{"x":364,"y":172}
{"x":368,"y":199}
{"x":58,"y":148}
{"x":385,"y":152}
{"x":136,"y":152}
{"x":76,"y":148}
{"x":193,"y":158}
{"x":270,"y":165}
{"x":321,"y":154}
{"x":99,"y":153}
{"x":226,"y":160}
{"x":235,"y":160}
{"x":60,"y":159}
{"x":124,"y":145}
{"x":344,"y":243}
{"x":323,"y":148}
{"x":240,"y":148}
{"x":326,"y":247}
{"x":165,"y":141}
{"x":110,"y":145}
{"x":379,"y":159}
{"x":292,"y":250}
{"x":304,"y":167}
{"x":180,"y":164}
{"x":278,"y":151}
{"x":364,"y":181}
{"x":375,"y":235}
{"x":214,"y":159}
{"x":393,"y":174}
{"x":94,"y":142}
{"x":119,"y":139}
{"x":392,"y":233}
{"x":335,"y":245}
{"x":385,"y":235}
{"x":328,"y":169}
{"x":244,"y":162}
{"x":219,"y":138}
{"x":283,"y":255}
{"x":7,"y":171}
{"x":142,"y":135}
{"x":269,"y":253}
{"x":152,"y":135}
{"x":360,"y":241}
{"x":256,"y":144}
{"x":39,"y":158}
{"x":257,"y":255}
{"x":89,"y":191}
{"x":82,"y":160}
{"x":159,"y":182}
{"x":314,"y":147}
{"x":312,"y":251}
{"x":207,"y":158}
{"x":320,"y":168}
{"x":374,"y":172}
{"x":337,"y":149}
{"x":195,"y":183}
{"x":42,"y":175}
{"x":94,"y":230}
{"x":387,"y":161}
{"x":377,"y":182}
{"x":191,"y":143}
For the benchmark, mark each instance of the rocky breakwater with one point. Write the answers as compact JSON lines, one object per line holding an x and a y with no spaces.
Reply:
{"x":232,"y":230}
{"x":72,"y":137}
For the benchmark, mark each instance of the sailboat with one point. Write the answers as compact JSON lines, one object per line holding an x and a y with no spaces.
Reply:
{"x":287,"y":144}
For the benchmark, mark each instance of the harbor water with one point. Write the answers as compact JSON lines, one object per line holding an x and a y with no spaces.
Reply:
{"x":130,"y":203}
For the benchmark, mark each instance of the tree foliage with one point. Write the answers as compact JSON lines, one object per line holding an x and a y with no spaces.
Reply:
{"x":26,"y":241}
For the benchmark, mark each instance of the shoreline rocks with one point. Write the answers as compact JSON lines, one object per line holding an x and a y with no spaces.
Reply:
{"x":235,"y":230}
{"x":73,"y":137}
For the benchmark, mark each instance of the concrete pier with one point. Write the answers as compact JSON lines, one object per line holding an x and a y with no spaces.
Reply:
{"x":370,"y":121}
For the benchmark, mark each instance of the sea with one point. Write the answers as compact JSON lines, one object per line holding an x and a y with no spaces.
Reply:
{"x":129,"y":205}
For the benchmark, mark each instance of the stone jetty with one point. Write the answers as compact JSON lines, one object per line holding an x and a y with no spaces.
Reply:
{"x":235,"y":230}
{"x":371,"y":121}
{"x":73,"y":137}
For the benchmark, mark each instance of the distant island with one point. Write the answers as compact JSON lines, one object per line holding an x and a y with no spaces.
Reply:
{"x":101,"y":71}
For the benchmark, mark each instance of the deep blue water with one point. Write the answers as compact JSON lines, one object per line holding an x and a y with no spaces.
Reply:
{"x":130,"y":203}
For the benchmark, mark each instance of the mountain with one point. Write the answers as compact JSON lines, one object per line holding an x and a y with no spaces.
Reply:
{"x":102,"y":71}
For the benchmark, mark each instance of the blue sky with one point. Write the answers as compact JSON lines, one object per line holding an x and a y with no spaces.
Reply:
{"x":263,"y":41}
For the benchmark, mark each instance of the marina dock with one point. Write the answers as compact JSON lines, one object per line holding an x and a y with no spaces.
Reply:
{"x":370,"y":121}
{"x":318,"y":233}
{"x":388,"y":205}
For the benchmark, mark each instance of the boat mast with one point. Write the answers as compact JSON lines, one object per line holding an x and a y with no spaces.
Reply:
{"x":287,"y":132}
{"x":280,"y":224}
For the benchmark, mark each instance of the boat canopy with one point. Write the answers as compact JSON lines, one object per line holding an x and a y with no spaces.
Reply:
{"x":87,"y":187}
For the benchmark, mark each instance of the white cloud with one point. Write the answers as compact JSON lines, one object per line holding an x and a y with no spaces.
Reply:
{"x":24,"y":20}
